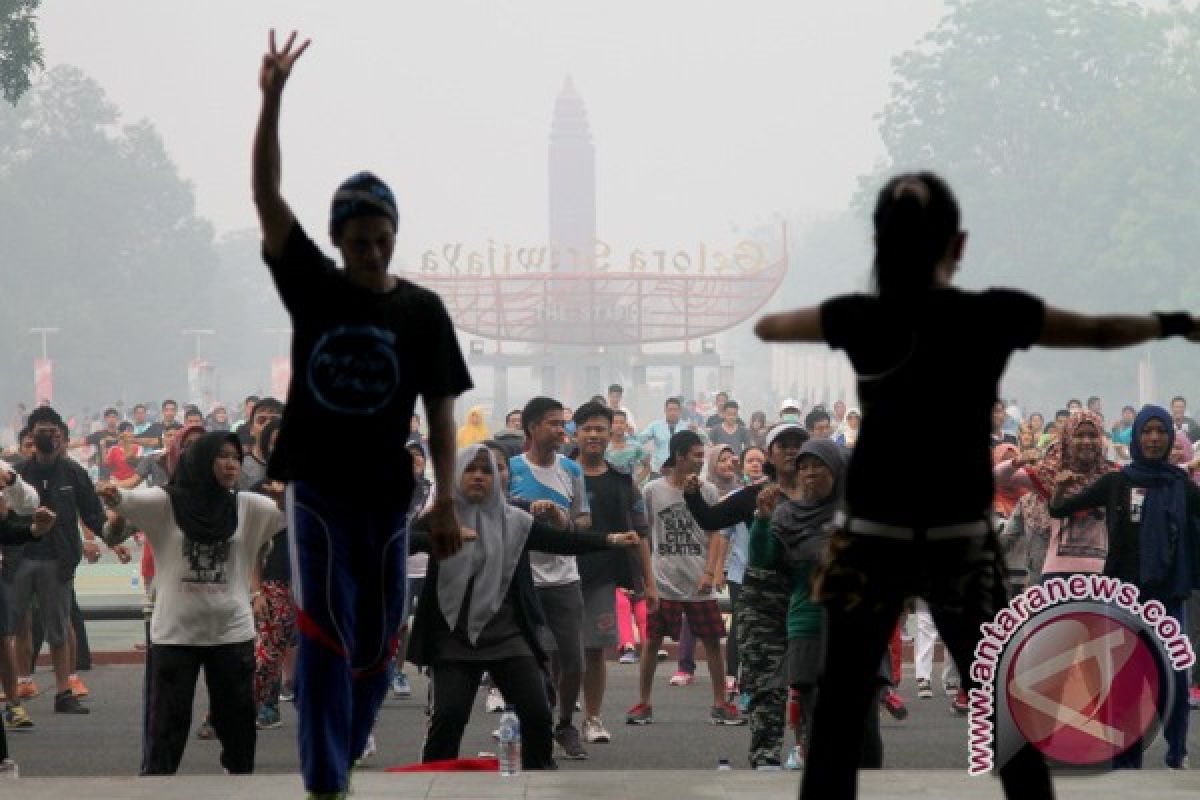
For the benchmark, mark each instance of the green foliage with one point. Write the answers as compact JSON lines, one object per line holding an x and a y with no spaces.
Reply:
{"x":20,"y":50}
{"x":1067,"y":128}
{"x":101,"y":239}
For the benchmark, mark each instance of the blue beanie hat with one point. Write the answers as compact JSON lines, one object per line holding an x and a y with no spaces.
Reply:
{"x":361,"y":195}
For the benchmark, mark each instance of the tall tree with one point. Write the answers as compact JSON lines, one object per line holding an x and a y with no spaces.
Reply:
{"x":100,"y":237}
{"x":20,"y":50}
{"x":1067,"y":127}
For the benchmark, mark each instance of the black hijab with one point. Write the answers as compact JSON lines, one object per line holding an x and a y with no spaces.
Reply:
{"x":205,"y":510}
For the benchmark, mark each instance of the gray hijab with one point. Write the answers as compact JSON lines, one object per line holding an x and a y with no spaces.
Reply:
{"x":489,"y":560}
{"x":803,"y":527}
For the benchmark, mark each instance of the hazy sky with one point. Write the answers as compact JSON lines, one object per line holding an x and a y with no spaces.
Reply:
{"x":704,"y":114}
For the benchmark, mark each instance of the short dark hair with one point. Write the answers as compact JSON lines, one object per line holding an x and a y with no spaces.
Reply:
{"x":616,"y":388}
{"x":1128,"y":408}
{"x":192,"y":411}
{"x":142,"y":406}
{"x":1180,"y":398}
{"x":683,"y":442}
{"x":616,"y":412}
{"x":1062,"y":412}
{"x":508,"y":416}
{"x":44,"y":414}
{"x":124,"y":426}
{"x":536,"y":410}
{"x":1074,"y":401}
{"x":169,"y":402}
{"x":597,"y":398}
{"x":730,"y":404}
{"x":1093,"y":399}
{"x":673,"y":400}
{"x":497,"y":449}
{"x":26,"y":431}
{"x":267,"y":404}
{"x":250,"y":398}
{"x":111,"y":412}
{"x":815,"y":416}
{"x":592,"y":410}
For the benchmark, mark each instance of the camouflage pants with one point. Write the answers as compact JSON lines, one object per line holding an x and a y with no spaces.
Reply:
{"x":762,"y":630}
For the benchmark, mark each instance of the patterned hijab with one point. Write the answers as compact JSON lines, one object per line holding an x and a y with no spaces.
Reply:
{"x":1059,"y":457}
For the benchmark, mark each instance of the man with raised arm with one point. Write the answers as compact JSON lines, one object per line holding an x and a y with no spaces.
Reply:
{"x":365,"y":344}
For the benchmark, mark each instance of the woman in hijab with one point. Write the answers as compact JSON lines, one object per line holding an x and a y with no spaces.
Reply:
{"x":1078,"y":543}
{"x":474,"y":430}
{"x":847,"y":433}
{"x":206,"y":538}
{"x":1152,"y":510}
{"x":478,"y":607}
{"x":791,"y":535}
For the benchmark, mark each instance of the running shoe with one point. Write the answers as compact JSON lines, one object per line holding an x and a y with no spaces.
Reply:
{"x":795,"y":759}
{"x":628,"y":655}
{"x":27,"y":689}
{"x":17,"y":718}
{"x":767,"y":766}
{"x":370,"y":750}
{"x":594,"y":731}
{"x":892,"y":703}
{"x":924,"y":688}
{"x":494,"y":702}
{"x":8,"y":769}
{"x":287,"y":691}
{"x":951,"y":687}
{"x":68,"y":703}
{"x":269,"y":718}
{"x":401,"y":686}
{"x":726,"y":714}
{"x":569,"y":742}
{"x":960,"y":703}
{"x":77,"y":687}
{"x":682,"y":678}
{"x":641,"y":714}
{"x":661,"y":655}
{"x":205,"y":731}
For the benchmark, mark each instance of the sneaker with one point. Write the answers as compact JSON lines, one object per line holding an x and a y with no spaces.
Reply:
{"x":1180,"y":764}
{"x":641,"y":714}
{"x":77,"y":687}
{"x":726,"y":714}
{"x":287,"y":691}
{"x":682,"y":678}
{"x":628,"y":655}
{"x":731,"y":688}
{"x":268,"y":719}
{"x":401,"y":686}
{"x":370,"y":750}
{"x":951,"y":687}
{"x":26,"y":690}
{"x":924,"y":688}
{"x":960,"y":704}
{"x":594,"y":731}
{"x":205,"y":731}
{"x":494,"y":703}
{"x":567,"y":738}
{"x":894,"y":705}
{"x":8,"y":769}
{"x":328,"y":795}
{"x":743,"y":702}
{"x":661,"y":655}
{"x":767,"y":766}
{"x":795,"y":759}
{"x":1194,"y":698}
{"x":17,"y":718}
{"x":67,"y":703}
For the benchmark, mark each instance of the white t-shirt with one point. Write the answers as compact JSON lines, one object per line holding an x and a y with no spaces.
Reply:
{"x":678,"y":545}
{"x":202,"y":592}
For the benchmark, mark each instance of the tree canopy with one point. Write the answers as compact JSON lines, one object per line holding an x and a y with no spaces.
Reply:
{"x":20,"y":50}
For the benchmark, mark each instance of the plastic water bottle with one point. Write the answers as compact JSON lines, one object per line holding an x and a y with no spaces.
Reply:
{"x":510,"y":743}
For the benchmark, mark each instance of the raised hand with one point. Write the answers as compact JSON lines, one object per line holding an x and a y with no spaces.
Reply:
{"x":109,"y":494}
{"x":43,"y":521}
{"x":277,"y":63}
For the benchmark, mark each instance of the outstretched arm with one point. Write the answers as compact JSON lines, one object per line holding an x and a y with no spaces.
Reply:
{"x":1107,"y":332}
{"x":274,"y":215}
{"x":801,"y":325}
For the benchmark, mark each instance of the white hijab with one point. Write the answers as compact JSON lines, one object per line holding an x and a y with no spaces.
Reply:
{"x":489,"y":560}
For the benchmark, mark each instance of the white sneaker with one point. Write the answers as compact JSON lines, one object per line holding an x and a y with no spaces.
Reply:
{"x":494,"y":702}
{"x":8,"y":769}
{"x":594,"y":731}
{"x":370,"y":750}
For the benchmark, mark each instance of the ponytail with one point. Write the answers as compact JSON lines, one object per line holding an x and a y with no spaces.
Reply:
{"x":915,"y":218}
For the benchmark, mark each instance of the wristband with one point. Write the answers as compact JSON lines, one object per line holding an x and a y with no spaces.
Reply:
{"x":1177,"y":323}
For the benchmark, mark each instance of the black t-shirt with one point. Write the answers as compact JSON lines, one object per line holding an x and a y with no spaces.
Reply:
{"x":943,"y":343}
{"x":278,"y":566}
{"x":359,"y":360}
{"x":1003,"y":438}
{"x":615,"y":507}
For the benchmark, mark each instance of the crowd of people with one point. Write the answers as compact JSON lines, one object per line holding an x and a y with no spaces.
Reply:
{"x":532,"y":553}
{"x":719,"y":528}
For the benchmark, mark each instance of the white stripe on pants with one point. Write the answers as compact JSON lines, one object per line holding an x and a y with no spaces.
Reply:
{"x":926,"y":638}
